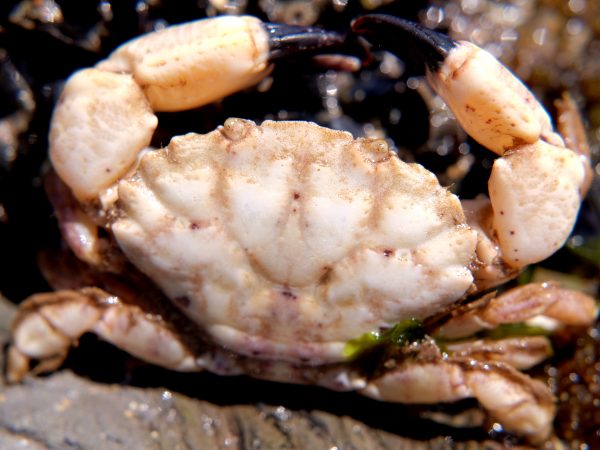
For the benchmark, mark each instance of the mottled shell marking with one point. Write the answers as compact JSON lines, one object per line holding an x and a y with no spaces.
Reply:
{"x":288,"y":239}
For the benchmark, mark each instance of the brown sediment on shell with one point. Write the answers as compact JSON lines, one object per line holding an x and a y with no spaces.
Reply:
{"x":279,"y":202}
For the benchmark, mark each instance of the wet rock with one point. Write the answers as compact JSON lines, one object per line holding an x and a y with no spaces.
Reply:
{"x":67,"y":411}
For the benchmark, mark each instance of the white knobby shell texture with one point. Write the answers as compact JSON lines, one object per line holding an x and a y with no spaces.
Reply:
{"x":286,"y":240}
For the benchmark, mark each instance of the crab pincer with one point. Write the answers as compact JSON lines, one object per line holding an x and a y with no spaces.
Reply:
{"x":181,"y":67}
{"x":537,"y":184}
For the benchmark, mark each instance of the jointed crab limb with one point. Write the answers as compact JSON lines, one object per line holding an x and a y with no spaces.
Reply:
{"x":537,"y":176}
{"x":522,"y":353}
{"x":78,"y":229}
{"x":523,"y":405}
{"x":527,"y":187}
{"x":490,"y":269}
{"x":563,"y":306}
{"x":181,"y":67}
{"x":49,"y":324}
{"x":570,"y":126}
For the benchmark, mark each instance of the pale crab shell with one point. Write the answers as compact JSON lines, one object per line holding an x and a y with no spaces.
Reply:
{"x":286,"y":240}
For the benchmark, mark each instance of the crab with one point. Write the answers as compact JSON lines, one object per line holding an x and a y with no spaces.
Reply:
{"x":292,"y":252}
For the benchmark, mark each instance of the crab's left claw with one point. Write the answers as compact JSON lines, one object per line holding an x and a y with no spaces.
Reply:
{"x":536,"y":186}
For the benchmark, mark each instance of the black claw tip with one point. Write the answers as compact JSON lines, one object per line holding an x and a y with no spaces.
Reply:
{"x":286,"y":40}
{"x":405,"y":38}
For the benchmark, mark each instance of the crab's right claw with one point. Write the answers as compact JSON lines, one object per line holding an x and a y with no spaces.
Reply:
{"x":105,"y":116}
{"x":193,"y":64}
{"x":536,"y":186}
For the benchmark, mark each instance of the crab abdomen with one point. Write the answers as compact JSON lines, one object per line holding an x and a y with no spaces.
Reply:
{"x":286,"y":240}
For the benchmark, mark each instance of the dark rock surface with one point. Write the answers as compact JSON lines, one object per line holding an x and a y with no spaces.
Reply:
{"x":65,"y":411}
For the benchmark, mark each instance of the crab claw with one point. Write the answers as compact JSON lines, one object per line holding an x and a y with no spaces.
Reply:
{"x":536,"y":186}
{"x":287,"y":40}
{"x":105,"y":116}
{"x":190,"y":65}
{"x":405,"y":38}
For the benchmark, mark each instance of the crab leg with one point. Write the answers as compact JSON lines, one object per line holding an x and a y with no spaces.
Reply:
{"x":522,"y":353}
{"x":105,"y":116}
{"x":537,"y":178}
{"x":47,"y":326}
{"x":557,"y":305}
{"x":521,"y":404}
{"x":421,"y":374}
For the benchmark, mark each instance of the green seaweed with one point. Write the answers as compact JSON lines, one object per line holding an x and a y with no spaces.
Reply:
{"x":402,"y":333}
